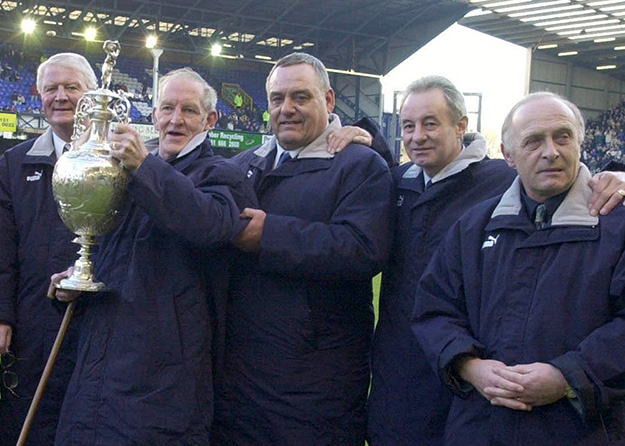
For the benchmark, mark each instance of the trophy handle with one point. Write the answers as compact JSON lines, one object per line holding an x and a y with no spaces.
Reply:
{"x":120,"y":109}
{"x":83,"y":111}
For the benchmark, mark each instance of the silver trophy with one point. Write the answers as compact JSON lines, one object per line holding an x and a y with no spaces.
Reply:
{"x":89,"y":186}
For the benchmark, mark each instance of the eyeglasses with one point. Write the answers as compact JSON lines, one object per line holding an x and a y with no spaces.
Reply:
{"x":9,"y":377}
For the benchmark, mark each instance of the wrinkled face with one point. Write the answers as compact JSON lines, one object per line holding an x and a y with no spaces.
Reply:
{"x":180,"y":115}
{"x":298,"y":105}
{"x":430,"y":137}
{"x":61,"y":88}
{"x":545,"y":147}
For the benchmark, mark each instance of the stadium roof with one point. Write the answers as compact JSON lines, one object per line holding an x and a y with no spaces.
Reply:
{"x":589,"y":33}
{"x":368,"y":36}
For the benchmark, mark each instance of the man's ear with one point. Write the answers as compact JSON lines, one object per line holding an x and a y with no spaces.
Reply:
{"x":330,"y":100}
{"x":507,"y":157}
{"x":155,"y":118}
{"x":211,"y":120}
{"x":461,"y":126}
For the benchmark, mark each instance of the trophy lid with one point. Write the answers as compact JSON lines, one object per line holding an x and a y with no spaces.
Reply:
{"x":100,"y":107}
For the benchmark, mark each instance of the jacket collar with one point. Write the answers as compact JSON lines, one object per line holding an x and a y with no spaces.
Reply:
{"x":572,"y":212}
{"x":181,"y":163}
{"x":43,"y":146}
{"x":316,"y":149}
{"x":193,"y":144}
{"x":472,"y":152}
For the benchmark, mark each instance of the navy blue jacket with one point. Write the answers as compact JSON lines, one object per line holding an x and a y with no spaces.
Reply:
{"x":34,"y":244}
{"x":499,"y":289}
{"x":300,"y":319}
{"x":143,"y":371}
{"x":408,"y":404}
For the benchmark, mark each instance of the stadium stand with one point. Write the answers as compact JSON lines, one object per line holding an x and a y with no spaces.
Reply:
{"x":17,"y":76}
{"x":605,"y":134}
{"x":134,"y":79}
{"x":605,"y":138}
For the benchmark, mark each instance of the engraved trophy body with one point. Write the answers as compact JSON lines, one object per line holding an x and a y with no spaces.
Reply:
{"x":89,"y":186}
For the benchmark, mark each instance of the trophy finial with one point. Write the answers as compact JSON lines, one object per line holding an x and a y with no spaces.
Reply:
{"x":111,"y":48}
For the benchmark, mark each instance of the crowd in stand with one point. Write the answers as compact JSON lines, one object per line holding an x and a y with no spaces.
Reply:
{"x":18,"y":92}
{"x":605,"y":138}
{"x":23,"y":97}
{"x":246,"y":119}
{"x":12,"y":63}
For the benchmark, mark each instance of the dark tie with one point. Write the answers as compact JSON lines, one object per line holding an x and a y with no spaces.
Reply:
{"x":541,"y":216}
{"x":428,"y":184}
{"x":284,"y":158}
{"x":66,"y":147}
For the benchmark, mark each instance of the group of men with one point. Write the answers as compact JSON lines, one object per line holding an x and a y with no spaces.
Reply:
{"x":427,"y":316}
{"x":239,"y":301}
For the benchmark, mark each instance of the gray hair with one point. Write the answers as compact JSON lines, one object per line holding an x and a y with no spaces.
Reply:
{"x":300,"y":58}
{"x":507,"y":123}
{"x":69,"y":60}
{"x":209,"y":96}
{"x":453,"y":97}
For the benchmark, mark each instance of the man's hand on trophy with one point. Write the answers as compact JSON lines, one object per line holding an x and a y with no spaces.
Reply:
{"x":60,"y":293}
{"x":127,"y":146}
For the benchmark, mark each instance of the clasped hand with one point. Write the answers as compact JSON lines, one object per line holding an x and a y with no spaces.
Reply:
{"x":518,"y":387}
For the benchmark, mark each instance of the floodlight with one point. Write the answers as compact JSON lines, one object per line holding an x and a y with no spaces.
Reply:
{"x":150,"y":41}
{"x":90,"y":34}
{"x":28,"y":26}
{"x":216,"y":49}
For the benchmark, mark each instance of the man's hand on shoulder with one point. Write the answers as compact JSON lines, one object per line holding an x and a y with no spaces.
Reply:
{"x":341,"y":138}
{"x":608,"y":191}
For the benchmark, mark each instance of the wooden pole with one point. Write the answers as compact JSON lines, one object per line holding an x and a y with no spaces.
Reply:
{"x":45,"y":376}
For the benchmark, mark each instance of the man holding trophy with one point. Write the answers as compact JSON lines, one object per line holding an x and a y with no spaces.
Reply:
{"x":35,"y":243}
{"x":143,"y":372}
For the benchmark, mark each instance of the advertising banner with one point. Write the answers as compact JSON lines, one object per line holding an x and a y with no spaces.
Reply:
{"x":8,"y":122}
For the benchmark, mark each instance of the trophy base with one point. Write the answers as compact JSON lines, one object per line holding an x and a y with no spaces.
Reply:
{"x":82,"y":278}
{"x":79,"y":284}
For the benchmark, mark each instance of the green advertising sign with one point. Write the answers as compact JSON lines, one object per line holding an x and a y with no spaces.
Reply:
{"x":225,"y":142}
{"x":237,"y":141}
